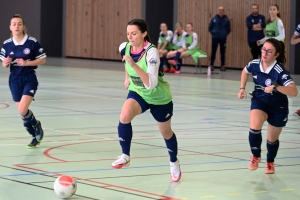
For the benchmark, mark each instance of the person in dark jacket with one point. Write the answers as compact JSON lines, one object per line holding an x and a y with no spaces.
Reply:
{"x":255,"y":24}
{"x":219,"y":27}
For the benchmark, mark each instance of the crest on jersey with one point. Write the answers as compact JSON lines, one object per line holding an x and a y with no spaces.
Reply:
{"x":26,"y":51}
{"x":284,"y":76}
{"x":153,"y":61}
{"x":268,"y":82}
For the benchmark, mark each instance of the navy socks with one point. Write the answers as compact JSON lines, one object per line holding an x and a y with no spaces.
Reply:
{"x":29,"y":118}
{"x":125,"y":136}
{"x":172,"y":147}
{"x":255,"y":140}
{"x":272,"y":150}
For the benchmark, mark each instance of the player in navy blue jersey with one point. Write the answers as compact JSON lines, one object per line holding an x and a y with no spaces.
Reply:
{"x":295,"y":40}
{"x":269,"y":100}
{"x":23,"y":54}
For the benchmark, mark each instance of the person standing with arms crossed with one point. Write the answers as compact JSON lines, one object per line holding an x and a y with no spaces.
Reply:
{"x":295,"y":40}
{"x":219,"y":27}
{"x":255,"y":24}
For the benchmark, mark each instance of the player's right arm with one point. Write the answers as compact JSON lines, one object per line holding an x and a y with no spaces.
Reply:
{"x":159,"y":42}
{"x":6,"y":60}
{"x":296,"y":37}
{"x":122,"y":52}
{"x":244,"y":79}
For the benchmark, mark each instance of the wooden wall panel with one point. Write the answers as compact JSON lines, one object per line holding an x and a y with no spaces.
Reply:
{"x":199,"y":12}
{"x":96,"y":28}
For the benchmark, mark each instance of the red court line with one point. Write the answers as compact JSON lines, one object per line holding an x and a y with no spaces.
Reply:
{"x":133,"y":149}
{"x":149,"y":157}
{"x":105,"y":185}
{"x":5,"y":105}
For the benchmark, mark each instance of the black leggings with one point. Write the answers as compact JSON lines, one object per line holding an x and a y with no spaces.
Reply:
{"x":215,"y":43}
{"x":255,"y":50}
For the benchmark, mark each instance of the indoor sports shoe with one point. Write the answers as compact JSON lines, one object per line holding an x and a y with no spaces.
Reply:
{"x":177,"y":72}
{"x":39,"y":133}
{"x":167,"y":69}
{"x":173,"y":70}
{"x":172,"y":62}
{"x":297,"y":113}
{"x":33,"y":144}
{"x":253,"y":165}
{"x":122,"y":161}
{"x":175,"y":171}
{"x":270,"y":169}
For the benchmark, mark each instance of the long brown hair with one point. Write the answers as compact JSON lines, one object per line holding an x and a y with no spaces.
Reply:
{"x":20,"y":17}
{"x":278,"y":14}
{"x":280,"y":48}
{"x":142,"y":25}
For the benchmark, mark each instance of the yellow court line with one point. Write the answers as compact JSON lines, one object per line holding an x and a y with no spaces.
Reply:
{"x":287,"y":189}
{"x":259,"y":192}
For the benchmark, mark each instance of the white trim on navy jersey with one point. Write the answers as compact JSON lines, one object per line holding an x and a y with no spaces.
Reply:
{"x":255,"y":61}
{"x":7,"y":41}
{"x":297,"y":31}
{"x":42,"y":56}
{"x":22,"y":42}
{"x":269,"y":68}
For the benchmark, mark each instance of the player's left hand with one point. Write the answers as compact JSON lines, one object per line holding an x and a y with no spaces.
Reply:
{"x":21,"y":62}
{"x":269,"y":89}
{"x":129,"y":60}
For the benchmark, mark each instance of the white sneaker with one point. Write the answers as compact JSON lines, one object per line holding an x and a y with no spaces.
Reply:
{"x":122,"y":161}
{"x":175,"y":171}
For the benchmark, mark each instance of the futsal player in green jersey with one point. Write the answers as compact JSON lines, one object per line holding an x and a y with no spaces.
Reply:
{"x":189,"y":48}
{"x":147,"y":90}
{"x":274,"y":28}
{"x":164,"y":44}
{"x":177,"y":41}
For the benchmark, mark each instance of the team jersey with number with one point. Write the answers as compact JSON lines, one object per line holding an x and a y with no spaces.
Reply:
{"x":28,"y":49}
{"x":275,"y":73}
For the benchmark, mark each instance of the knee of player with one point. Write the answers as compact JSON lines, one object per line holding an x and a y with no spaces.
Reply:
{"x":126,"y":117}
{"x":22,"y":110}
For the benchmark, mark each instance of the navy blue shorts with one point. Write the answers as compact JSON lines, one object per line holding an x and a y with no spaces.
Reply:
{"x":161,"y":113}
{"x":277,"y":117}
{"x":23,"y":85}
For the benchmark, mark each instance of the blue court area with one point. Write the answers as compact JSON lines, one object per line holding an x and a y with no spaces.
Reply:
{"x":79,"y":102}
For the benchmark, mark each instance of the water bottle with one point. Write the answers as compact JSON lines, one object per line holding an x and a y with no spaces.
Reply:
{"x":208,"y":71}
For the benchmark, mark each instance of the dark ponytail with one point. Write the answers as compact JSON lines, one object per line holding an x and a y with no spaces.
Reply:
{"x":278,"y":14}
{"x":280,"y":48}
{"x":142,"y":25}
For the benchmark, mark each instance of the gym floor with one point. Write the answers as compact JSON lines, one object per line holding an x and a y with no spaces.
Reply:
{"x":79,"y":102}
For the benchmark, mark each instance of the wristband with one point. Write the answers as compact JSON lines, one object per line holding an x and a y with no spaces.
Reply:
{"x":242,"y":88}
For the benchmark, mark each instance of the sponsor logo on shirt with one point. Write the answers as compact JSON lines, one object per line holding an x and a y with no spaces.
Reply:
{"x":41,"y":50}
{"x":26,"y":51}
{"x":284,"y":76}
{"x":153,"y":61}
{"x":268,"y":82}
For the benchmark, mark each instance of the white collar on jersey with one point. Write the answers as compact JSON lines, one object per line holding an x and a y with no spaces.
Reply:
{"x":268,"y":69}
{"x":22,"y":42}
